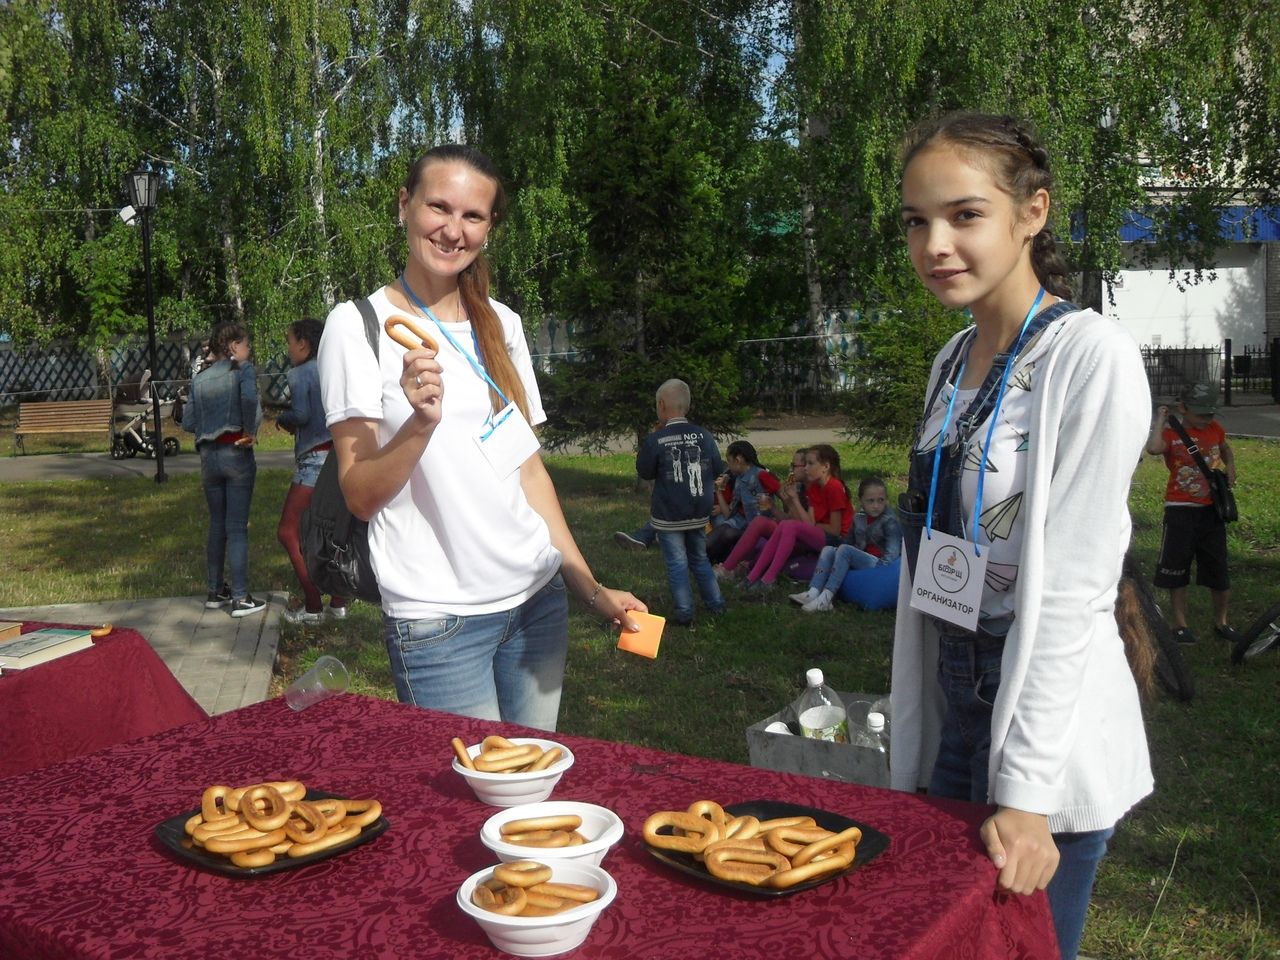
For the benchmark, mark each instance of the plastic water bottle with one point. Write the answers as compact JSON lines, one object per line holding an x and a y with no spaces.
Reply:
{"x":821,"y":712}
{"x":881,"y":706}
{"x":873,"y":739}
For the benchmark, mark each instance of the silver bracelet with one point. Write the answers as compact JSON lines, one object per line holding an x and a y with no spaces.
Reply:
{"x":595,"y":593}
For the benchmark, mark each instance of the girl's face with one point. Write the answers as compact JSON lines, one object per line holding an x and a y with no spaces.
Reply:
{"x":238,"y":350}
{"x":969,"y":242}
{"x":816,"y":470}
{"x":874,"y":501}
{"x":798,"y":467}
{"x":299,"y":350}
{"x":737,"y":465}
{"x":447,"y":217}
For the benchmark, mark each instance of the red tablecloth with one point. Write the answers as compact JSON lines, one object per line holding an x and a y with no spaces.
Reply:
{"x":80,"y":875}
{"x":116,"y":690}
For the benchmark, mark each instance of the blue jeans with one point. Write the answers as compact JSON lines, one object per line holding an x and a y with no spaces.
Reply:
{"x":835,"y":562}
{"x":307,"y":469}
{"x":1072,"y":884}
{"x":227,"y":473}
{"x":685,"y":550}
{"x":505,"y":666}
{"x":969,"y":672}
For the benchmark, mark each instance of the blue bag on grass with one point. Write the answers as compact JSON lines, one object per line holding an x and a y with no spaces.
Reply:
{"x":872,"y":589}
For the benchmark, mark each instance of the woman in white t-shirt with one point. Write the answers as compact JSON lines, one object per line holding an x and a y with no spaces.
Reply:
{"x":466,"y":534}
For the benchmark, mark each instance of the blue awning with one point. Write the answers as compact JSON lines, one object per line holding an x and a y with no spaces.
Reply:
{"x":1239,"y":224}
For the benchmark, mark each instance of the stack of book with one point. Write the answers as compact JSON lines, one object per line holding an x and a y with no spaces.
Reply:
{"x":21,"y":650}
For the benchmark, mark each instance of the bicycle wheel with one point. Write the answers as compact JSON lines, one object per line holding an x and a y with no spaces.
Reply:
{"x":1171,"y":667}
{"x":1263,"y":635}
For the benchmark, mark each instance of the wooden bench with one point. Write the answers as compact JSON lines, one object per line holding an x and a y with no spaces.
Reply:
{"x":62,"y":416}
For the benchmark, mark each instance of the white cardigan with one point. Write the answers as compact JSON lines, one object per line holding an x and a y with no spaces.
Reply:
{"x":1067,"y":737}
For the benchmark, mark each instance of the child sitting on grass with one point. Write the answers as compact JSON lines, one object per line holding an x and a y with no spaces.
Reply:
{"x":751,"y":495}
{"x":874,"y":539}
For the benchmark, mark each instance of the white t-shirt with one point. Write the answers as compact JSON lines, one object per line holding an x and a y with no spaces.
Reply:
{"x":1000,"y":524}
{"x":456,"y":539}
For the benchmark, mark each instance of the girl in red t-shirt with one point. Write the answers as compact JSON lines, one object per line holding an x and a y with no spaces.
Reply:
{"x":823,"y":522}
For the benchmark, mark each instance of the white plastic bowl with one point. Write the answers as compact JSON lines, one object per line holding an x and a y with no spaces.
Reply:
{"x":542,"y":936}
{"x":601,"y":826}
{"x":510,"y":789}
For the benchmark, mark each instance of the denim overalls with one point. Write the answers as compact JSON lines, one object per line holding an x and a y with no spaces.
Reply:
{"x":968,"y":661}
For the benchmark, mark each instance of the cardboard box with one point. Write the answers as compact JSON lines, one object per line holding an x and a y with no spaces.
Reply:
{"x":818,"y":758}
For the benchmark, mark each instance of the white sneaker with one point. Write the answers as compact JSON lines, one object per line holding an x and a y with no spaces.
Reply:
{"x":803,"y":597}
{"x":303,"y":615}
{"x":724,"y":573}
{"x":246,"y":606}
{"x":818,"y":604}
{"x":336,"y":613}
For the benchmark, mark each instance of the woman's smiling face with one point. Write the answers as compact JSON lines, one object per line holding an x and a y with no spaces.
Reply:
{"x":448,"y":216}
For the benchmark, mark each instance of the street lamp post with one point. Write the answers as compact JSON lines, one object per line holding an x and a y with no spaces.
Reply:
{"x":143,"y":186}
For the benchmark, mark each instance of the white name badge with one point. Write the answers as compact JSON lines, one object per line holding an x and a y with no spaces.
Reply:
{"x":948,"y":581}
{"x":507,"y":441}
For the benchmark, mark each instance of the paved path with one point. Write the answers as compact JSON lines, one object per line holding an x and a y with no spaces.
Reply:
{"x":223,"y":662}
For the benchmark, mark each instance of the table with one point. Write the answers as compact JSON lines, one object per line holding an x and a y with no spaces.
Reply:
{"x":116,"y":690}
{"x":80,"y":875}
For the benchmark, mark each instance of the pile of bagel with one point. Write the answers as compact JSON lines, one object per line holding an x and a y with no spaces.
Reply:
{"x":760,"y":853}
{"x":255,"y":824}
{"x":500,"y":755}
{"x":523,"y":888}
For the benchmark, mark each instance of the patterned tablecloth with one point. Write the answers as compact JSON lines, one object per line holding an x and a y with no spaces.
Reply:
{"x":81,"y":875}
{"x":116,"y":690}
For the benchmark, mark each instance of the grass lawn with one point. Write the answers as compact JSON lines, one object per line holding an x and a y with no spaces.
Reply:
{"x":1194,"y":871}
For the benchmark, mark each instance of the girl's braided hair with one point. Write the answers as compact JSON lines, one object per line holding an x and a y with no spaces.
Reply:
{"x":1010,"y":150}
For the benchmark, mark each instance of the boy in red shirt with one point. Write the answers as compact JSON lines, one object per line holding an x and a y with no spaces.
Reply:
{"x":1192,"y":529}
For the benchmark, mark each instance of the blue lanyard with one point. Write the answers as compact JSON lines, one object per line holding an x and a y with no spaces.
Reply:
{"x":475,"y":365}
{"x":991,"y":426}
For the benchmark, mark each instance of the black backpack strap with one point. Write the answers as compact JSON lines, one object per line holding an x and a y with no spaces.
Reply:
{"x":342,"y":529}
{"x":370,"y":323}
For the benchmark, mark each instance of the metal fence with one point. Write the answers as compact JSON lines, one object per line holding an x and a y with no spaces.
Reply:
{"x":795,"y":374}
{"x":1256,"y":369}
{"x":67,"y":372}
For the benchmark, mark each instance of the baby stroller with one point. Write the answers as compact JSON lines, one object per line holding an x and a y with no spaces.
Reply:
{"x":138,"y":433}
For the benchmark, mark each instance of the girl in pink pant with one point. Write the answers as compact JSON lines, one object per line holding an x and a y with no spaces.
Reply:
{"x":825,"y":519}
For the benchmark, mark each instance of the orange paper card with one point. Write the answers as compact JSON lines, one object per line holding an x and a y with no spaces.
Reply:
{"x":645,"y":643}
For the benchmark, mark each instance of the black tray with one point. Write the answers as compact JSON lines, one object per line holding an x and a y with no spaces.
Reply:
{"x":872,"y":844}
{"x":174,"y":838}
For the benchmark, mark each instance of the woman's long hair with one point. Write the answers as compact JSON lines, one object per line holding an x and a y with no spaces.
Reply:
{"x":473,"y":282}
{"x":225,"y":334}
{"x":1011,"y":152}
{"x":1134,"y":614}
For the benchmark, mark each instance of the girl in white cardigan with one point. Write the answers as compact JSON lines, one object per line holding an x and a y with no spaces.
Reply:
{"x":1034,"y":422}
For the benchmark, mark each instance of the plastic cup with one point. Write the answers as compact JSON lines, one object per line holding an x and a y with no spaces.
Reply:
{"x":326,"y":678}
